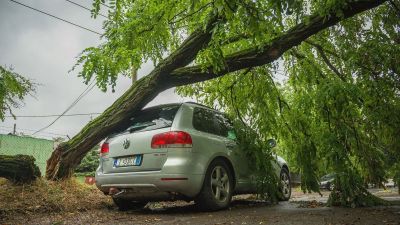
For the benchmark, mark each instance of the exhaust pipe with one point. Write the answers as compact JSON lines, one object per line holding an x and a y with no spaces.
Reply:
{"x":115,"y":191}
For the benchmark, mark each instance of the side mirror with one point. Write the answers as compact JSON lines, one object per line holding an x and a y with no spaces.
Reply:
{"x":271,"y":143}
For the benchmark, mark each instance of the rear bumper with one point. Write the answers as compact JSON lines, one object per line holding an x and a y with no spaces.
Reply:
{"x":151,"y":184}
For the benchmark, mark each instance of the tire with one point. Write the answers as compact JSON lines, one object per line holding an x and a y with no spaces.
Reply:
{"x":217,"y":189}
{"x":126,"y":204}
{"x":331,"y":186}
{"x":286,"y":188}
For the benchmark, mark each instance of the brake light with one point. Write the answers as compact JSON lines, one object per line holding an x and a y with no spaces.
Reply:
{"x":105,"y":148}
{"x":172,"y":139}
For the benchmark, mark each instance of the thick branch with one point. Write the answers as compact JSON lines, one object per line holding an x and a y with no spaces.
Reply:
{"x":270,"y":52}
{"x":117,"y":116}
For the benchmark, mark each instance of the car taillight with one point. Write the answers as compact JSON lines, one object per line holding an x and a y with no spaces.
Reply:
{"x":172,"y":139}
{"x":105,"y":148}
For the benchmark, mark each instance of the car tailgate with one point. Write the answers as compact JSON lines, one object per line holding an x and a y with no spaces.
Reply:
{"x":139,"y":145}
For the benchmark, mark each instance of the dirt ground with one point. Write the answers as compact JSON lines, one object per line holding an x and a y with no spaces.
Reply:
{"x":301,"y":209}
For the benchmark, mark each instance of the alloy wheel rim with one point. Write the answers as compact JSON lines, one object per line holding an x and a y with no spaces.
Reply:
{"x":220,"y":183}
{"x":285,"y":185}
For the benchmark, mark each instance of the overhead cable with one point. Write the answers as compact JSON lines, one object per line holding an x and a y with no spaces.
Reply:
{"x":83,"y":94}
{"x":56,"y":17}
{"x":84,"y":7}
{"x":44,"y":116}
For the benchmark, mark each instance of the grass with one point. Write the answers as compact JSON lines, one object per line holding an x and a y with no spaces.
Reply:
{"x":44,"y":196}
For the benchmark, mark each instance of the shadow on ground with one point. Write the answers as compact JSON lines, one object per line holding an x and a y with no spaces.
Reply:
{"x":181,"y":207}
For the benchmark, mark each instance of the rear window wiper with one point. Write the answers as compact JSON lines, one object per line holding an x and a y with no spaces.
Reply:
{"x":164,"y":121}
{"x":140,"y":126}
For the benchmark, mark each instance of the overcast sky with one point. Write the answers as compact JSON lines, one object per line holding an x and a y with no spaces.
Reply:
{"x":44,"y":49}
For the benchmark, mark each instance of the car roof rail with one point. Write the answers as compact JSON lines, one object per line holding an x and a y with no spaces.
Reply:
{"x":195,"y":103}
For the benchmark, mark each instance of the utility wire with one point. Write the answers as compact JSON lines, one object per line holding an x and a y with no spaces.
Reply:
{"x":24,"y":129}
{"x":106,"y":5}
{"x":84,"y":7}
{"x":56,"y":17}
{"x":83,"y":94}
{"x":44,"y":116}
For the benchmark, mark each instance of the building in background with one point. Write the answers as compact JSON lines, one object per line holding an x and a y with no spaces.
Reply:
{"x":39,"y":148}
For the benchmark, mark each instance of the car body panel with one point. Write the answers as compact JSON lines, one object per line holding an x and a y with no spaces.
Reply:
{"x":152,"y":159}
{"x":326,"y":181}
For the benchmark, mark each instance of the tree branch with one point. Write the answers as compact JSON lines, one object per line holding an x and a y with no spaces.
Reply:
{"x":328,"y":63}
{"x":271,"y":51}
{"x":319,"y":46}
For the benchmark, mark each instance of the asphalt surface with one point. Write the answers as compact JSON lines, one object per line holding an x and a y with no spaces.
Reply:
{"x":301,"y":209}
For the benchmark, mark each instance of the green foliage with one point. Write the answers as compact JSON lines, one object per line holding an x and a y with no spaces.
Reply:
{"x":142,"y":30}
{"x":350,"y":191}
{"x":13,"y":89}
{"x":332,"y":103}
{"x":258,"y":151}
{"x":89,"y":164}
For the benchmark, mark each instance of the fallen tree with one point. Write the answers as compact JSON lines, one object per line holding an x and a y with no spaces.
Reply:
{"x":172,"y":72}
{"x":19,"y":169}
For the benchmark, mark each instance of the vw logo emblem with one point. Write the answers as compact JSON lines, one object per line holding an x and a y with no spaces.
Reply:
{"x":126,"y":143}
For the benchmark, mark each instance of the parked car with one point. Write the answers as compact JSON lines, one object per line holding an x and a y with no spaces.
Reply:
{"x":390,"y":183}
{"x":327,"y":181}
{"x":179,"y":151}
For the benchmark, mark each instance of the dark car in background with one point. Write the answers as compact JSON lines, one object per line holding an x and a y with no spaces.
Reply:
{"x":327,"y":181}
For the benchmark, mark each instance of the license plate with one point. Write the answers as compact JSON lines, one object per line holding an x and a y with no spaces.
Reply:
{"x":135,"y":160}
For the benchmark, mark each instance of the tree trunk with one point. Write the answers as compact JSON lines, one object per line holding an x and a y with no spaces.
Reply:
{"x":19,"y":169}
{"x":171,"y":72}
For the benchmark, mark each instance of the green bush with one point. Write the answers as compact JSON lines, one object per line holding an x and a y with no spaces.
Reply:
{"x":89,"y":164}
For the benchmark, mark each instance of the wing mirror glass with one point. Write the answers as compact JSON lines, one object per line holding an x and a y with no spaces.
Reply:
{"x":271,"y":143}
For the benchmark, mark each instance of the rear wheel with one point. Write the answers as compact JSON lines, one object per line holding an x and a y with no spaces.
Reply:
{"x":126,"y":204}
{"x":217,"y":189}
{"x":286,"y":188}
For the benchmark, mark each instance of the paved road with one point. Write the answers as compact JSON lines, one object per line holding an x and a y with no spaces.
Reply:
{"x":390,"y":194}
{"x":243,"y":211}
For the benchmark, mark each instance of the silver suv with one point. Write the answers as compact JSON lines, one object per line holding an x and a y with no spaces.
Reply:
{"x":178,"y":151}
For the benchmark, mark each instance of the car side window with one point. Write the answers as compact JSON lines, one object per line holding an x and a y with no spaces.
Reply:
{"x":204,"y":120}
{"x":225,"y":126}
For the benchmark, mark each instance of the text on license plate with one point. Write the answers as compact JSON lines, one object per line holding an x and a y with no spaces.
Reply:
{"x":135,"y":160}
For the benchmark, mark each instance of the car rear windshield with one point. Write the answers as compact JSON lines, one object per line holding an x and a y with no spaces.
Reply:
{"x":153,"y":118}
{"x":328,"y":177}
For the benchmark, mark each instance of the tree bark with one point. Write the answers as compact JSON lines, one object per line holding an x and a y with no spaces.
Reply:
{"x":19,"y":169}
{"x":171,"y":73}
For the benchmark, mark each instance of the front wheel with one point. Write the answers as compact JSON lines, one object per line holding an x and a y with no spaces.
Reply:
{"x":286,"y":188}
{"x":217,"y":189}
{"x":331,"y":186}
